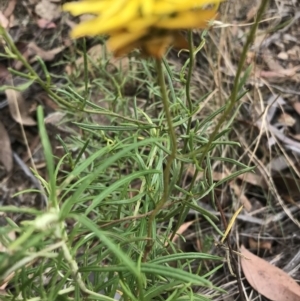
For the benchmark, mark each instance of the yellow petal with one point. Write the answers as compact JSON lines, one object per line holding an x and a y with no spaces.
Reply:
{"x":105,"y":8}
{"x":147,"y":7}
{"x":141,"y":23}
{"x":187,"y":20}
{"x":116,"y":7}
{"x":121,"y":40}
{"x":100,"y":25}
{"x":173,"y":6}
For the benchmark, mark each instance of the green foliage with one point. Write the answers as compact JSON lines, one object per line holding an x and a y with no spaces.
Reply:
{"x":98,"y":237}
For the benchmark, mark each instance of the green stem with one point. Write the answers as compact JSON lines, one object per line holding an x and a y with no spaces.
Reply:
{"x":61,"y":234}
{"x":33,"y":73}
{"x":190,"y":106}
{"x":170,"y":157}
{"x":189,"y":76}
{"x":188,"y":94}
{"x":234,"y":94}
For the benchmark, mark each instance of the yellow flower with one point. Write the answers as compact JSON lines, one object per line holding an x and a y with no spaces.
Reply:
{"x":150,"y":25}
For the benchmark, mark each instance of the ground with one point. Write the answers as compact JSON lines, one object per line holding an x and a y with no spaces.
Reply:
{"x":267,"y":124}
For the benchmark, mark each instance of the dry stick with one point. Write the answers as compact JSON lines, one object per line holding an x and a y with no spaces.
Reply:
{"x":170,"y":158}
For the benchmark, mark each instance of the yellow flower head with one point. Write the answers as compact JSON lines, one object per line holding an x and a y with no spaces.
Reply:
{"x":151,"y":25}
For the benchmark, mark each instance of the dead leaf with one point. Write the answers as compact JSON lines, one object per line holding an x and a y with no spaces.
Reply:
{"x":180,"y":231}
{"x":5,"y":150}
{"x":267,"y":279}
{"x":260,"y":244}
{"x":54,"y":118}
{"x":3,"y":20}
{"x":10,"y":8}
{"x":44,"y":54}
{"x":286,"y":119}
{"x":283,"y":55}
{"x":18,"y":108}
{"x":296,"y":106}
{"x":241,"y":196}
{"x":252,"y":178}
{"x":48,"y":10}
{"x":45,"y":24}
{"x":253,"y":10}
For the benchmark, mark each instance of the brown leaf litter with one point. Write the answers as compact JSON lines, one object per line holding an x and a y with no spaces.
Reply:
{"x":20,"y":145}
{"x":18,"y":108}
{"x":267,"y":279}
